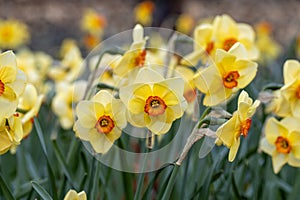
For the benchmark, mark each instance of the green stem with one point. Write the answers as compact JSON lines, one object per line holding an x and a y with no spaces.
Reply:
{"x":171,"y":183}
{"x":140,"y":183}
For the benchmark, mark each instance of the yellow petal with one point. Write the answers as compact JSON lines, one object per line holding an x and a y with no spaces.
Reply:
{"x":293,"y":161}
{"x":234,"y":149}
{"x":224,"y":61}
{"x":71,"y":195}
{"x":247,"y":71}
{"x":5,"y":142}
{"x":217,"y":97}
{"x":8,"y":58}
{"x":158,"y":127}
{"x":274,"y":129}
{"x":176,"y":85}
{"x":208,"y":80}
{"x":99,"y":141}
{"x":147,"y":75}
{"x":7,"y":107}
{"x":82,"y":195}
{"x":19,"y":84}
{"x":291,"y":71}
{"x":103,"y":97}
{"x":114,"y":134}
{"x":267,"y":147}
{"x":202,"y":35}
{"x":8,"y":74}
{"x":229,"y":130}
{"x":193,"y":58}
{"x":292,"y":123}
{"x":9,"y":94}
{"x":137,"y":120}
{"x":81,"y":132}
{"x":136,"y":106}
{"x":143,"y":92}
{"x":88,"y":113}
{"x":246,"y":32}
{"x":278,"y":160}
{"x":239,"y":51}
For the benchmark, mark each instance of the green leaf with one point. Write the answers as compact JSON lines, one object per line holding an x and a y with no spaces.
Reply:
{"x":5,"y":189}
{"x":41,"y":191}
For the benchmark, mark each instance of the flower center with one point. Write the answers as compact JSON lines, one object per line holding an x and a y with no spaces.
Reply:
{"x":209,"y":47}
{"x":245,"y":127}
{"x":229,"y":43}
{"x":2,"y":87}
{"x":105,"y":124}
{"x":155,"y":106}
{"x":140,"y":59}
{"x":282,"y":145}
{"x":229,"y":80}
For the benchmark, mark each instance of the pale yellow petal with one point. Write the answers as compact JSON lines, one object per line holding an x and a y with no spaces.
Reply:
{"x":234,"y":149}
{"x":143,"y":92}
{"x":103,"y":97}
{"x":138,"y":33}
{"x":239,"y":51}
{"x":266,"y":147}
{"x":88,"y":113}
{"x":99,"y":141}
{"x":8,"y":74}
{"x":19,"y":84}
{"x":158,"y":127}
{"x":81,"y":132}
{"x":9,"y":94}
{"x":136,"y":106}
{"x":292,"y":123}
{"x":82,"y":195}
{"x":217,"y":97}
{"x":278,"y":161}
{"x":291,"y":71}
{"x":293,"y":161}
{"x":274,"y":129}
{"x":147,"y":75}
{"x":5,"y":142}
{"x":114,"y":134}
{"x":247,"y":71}
{"x":7,"y":107}
{"x":71,"y":195}
{"x":229,"y":130}
{"x":137,"y":120}
{"x":8,"y":58}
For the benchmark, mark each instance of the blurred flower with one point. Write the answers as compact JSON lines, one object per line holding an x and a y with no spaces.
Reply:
{"x":91,"y":41}
{"x":62,"y":104}
{"x":229,"y":133}
{"x":73,"y":195}
{"x":29,"y":103}
{"x":282,"y":142}
{"x":93,"y":22}
{"x":35,"y":65}
{"x":153,"y":102}
{"x":11,"y":133}
{"x":286,"y":101}
{"x":143,"y":12}
{"x":184,"y":23}
{"x":70,"y":67}
{"x":268,"y":48}
{"x":13,"y":34}
{"x":231,"y":71}
{"x":100,"y":120}
{"x":223,"y":33}
{"x":135,"y":57}
{"x":12,"y":83}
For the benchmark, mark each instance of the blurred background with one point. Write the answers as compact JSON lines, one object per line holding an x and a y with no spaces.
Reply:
{"x":51,"y":21}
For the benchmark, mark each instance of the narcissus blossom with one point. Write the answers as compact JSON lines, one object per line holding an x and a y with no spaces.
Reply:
{"x":29,"y":103}
{"x":12,"y":84}
{"x":11,"y":133}
{"x":100,"y":120}
{"x":62,"y":104}
{"x":229,"y":133}
{"x":282,"y":142}
{"x":93,"y":22}
{"x":73,"y":195}
{"x":135,"y":57}
{"x":143,"y":12}
{"x":154,"y":102}
{"x":231,"y":71}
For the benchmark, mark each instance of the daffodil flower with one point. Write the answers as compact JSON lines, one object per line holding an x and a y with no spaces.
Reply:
{"x":282,"y":142}
{"x":92,"y":22}
{"x":154,"y":102}
{"x":143,"y":12}
{"x":100,"y":120}
{"x":30,"y":103}
{"x":12,"y":84}
{"x":66,"y":95}
{"x":11,"y":133}
{"x":135,"y":57}
{"x":229,"y":133}
{"x":73,"y":195}
{"x":232,"y":71}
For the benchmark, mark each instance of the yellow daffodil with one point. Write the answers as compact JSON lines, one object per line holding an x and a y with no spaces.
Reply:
{"x":69,"y":68}
{"x":135,"y":57}
{"x":66,"y":95}
{"x":268,"y":48}
{"x":29,"y":103}
{"x":12,"y":83}
{"x":185,"y":23}
{"x":91,"y":41}
{"x":100,"y":120}
{"x":154,"y":102}
{"x":11,"y":133}
{"x":73,"y":195}
{"x":229,"y":133}
{"x":13,"y":34}
{"x":222,"y":33}
{"x":93,"y":22}
{"x":230,"y":72}
{"x":143,"y":12}
{"x":282,"y":142}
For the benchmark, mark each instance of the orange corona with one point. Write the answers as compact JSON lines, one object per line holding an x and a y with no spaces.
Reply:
{"x":105,"y":124}
{"x":229,"y":80}
{"x":140,"y":59}
{"x":245,"y":127}
{"x":282,"y":145}
{"x":2,"y":87}
{"x":155,"y":106}
{"x":229,"y":43}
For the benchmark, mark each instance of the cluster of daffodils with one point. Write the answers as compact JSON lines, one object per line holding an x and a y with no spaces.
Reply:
{"x":19,"y":102}
{"x":145,"y":93}
{"x":282,"y":135}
